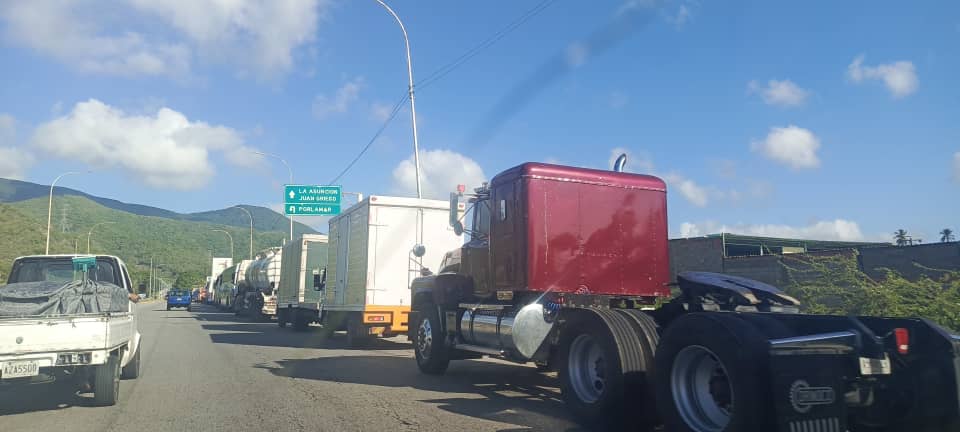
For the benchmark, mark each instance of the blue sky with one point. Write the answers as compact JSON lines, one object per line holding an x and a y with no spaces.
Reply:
{"x":811,"y":119}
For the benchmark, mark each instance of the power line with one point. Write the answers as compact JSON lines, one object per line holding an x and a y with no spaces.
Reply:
{"x":393,"y":113}
{"x":496,"y":37}
{"x":446,"y":69}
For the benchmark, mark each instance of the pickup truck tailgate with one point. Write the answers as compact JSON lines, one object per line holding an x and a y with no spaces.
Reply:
{"x":19,"y":336}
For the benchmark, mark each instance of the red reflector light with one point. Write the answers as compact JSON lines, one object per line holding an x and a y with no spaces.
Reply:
{"x":902,"y":336}
{"x":374,"y":318}
{"x":461,"y":188}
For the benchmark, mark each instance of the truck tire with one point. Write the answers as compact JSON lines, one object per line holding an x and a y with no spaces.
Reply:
{"x":281,"y":318}
{"x":357,"y":335}
{"x":300,"y":321}
{"x":704,"y":363}
{"x":132,"y":369}
{"x":188,"y":308}
{"x":106,"y":382}
{"x":168,"y":307}
{"x":602,"y":370}
{"x":429,"y":343}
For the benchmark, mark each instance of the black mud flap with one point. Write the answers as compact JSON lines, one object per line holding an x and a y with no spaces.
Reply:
{"x":808,"y":393}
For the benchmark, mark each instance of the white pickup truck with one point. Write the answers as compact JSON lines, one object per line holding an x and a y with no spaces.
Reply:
{"x":86,"y":333}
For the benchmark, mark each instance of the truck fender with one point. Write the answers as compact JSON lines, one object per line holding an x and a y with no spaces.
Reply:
{"x":132,"y":348}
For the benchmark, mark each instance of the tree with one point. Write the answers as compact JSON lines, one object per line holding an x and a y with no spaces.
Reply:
{"x":946,"y":235}
{"x":901,"y":237}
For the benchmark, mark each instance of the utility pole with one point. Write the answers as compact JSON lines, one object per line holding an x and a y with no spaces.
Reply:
{"x":251,"y":228}
{"x":413,"y":105}
{"x":50,"y":206}
{"x":290,"y":171}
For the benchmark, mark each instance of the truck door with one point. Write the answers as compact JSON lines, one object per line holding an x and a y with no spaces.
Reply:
{"x":343,"y":257}
{"x":475,"y":254}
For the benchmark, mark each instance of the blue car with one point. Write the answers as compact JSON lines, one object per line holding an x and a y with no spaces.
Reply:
{"x":178,"y":299}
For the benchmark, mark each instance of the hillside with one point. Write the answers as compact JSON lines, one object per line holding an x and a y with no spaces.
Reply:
{"x":183,"y":248}
{"x":12,"y":191}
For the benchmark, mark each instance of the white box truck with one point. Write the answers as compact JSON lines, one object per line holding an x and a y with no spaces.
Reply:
{"x":301,"y":271}
{"x":376,"y":248}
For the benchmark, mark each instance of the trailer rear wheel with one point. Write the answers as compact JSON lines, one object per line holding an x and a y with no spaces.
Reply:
{"x":710,"y":371}
{"x":429,"y":345}
{"x":281,"y":318}
{"x":106,"y":382}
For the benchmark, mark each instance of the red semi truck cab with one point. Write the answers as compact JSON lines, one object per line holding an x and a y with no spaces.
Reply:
{"x":563,"y":268}
{"x":576,"y":230}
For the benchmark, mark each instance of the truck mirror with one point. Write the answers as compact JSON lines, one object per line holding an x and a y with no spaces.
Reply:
{"x":320,"y":280}
{"x":458,"y":228}
{"x":455,"y":213}
{"x":419,"y":250}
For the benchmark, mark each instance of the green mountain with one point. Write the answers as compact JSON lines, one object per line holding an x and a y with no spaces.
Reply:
{"x":264,"y":219}
{"x":182,"y":248}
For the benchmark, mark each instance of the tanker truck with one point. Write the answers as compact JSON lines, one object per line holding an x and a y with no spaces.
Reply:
{"x":258,"y":297}
{"x":568,"y":268}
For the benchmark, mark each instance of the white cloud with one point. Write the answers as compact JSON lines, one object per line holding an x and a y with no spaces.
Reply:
{"x":165,"y":150}
{"x":725,"y":168}
{"x":681,"y":17}
{"x":14,"y":162}
{"x":837,"y":229}
{"x":163,"y":37}
{"x":325,"y":106}
{"x":793,"y":146}
{"x":577,"y":54}
{"x":380,"y":111}
{"x":900,"y":77}
{"x":440,"y":173}
{"x":693,"y":192}
{"x":956,"y":166}
{"x":784,"y":93}
{"x":618,"y":99}
{"x":73,"y":36}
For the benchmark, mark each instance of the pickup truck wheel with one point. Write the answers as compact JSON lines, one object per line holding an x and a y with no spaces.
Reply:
{"x":710,"y":374}
{"x":106,"y":382}
{"x":429,"y":344}
{"x":132,"y":369}
{"x":168,"y":307}
{"x":188,"y":308}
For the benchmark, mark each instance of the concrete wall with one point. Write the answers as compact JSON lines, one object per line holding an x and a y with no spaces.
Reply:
{"x":695,"y":254}
{"x":912,"y":262}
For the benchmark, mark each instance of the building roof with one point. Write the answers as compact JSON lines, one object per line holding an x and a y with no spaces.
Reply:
{"x":740,"y":245}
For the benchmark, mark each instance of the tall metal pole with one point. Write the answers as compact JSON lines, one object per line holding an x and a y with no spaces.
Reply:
{"x":91,"y":232}
{"x":413,"y":105}
{"x":251,"y":228}
{"x":50,"y":207}
{"x":291,"y":182}
{"x":228,"y":236}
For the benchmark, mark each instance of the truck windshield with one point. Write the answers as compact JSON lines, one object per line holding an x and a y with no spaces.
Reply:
{"x":57,"y":270}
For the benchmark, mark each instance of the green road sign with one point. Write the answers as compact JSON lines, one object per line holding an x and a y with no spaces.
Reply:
{"x":311,"y":209}
{"x":307,"y":200}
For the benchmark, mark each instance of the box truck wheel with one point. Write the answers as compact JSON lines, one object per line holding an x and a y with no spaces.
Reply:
{"x":602,"y":371}
{"x":710,"y":374}
{"x":281,"y":317}
{"x":106,"y":382}
{"x":300,"y":321}
{"x":132,"y":369}
{"x":429,"y":343}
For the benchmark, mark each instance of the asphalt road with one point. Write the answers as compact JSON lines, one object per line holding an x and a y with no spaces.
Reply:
{"x":207,"y":371}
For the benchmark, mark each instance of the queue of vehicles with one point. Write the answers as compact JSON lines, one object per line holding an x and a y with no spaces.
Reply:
{"x":568,"y":268}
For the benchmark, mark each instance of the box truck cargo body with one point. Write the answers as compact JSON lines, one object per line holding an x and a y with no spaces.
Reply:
{"x":371,"y":262}
{"x":299,"y":295}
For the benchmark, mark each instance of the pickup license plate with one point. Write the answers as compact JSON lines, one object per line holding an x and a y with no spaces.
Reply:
{"x":19,"y":369}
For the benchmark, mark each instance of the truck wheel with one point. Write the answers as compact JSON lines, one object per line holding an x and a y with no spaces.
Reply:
{"x":168,"y":307}
{"x":300,"y":322}
{"x":106,"y":382}
{"x":281,"y":318}
{"x":710,"y":373}
{"x":429,"y":343}
{"x":601,"y":367}
{"x":357,"y":334}
{"x":188,"y":308}
{"x":132,"y":369}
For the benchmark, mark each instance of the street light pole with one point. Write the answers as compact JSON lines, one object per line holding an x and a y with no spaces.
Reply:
{"x":413,"y":105}
{"x":251,"y":228}
{"x":91,"y":232}
{"x":50,"y":207}
{"x":231,"y":240}
{"x":291,"y":181}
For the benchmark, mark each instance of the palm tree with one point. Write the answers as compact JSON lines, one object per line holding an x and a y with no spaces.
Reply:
{"x":946,"y":235}
{"x":901,"y":237}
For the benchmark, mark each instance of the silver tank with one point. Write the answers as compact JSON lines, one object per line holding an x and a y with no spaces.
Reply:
{"x":264,"y":270}
{"x":521,"y":332}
